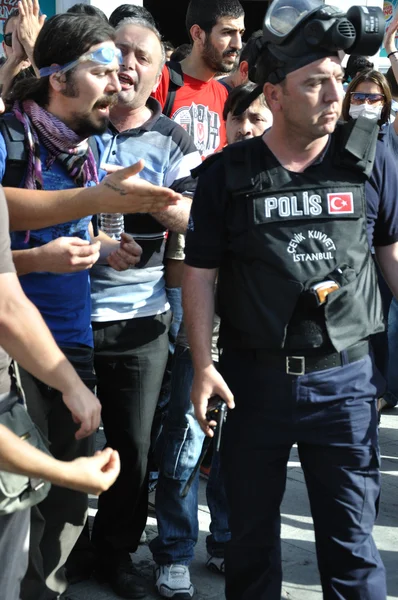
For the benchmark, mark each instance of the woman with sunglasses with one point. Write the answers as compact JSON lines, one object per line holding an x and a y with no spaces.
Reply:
{"x":368,"y":95}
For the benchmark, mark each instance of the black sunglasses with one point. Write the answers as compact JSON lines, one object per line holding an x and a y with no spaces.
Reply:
{"x":8,"y":39}
{"x":361,"y":97}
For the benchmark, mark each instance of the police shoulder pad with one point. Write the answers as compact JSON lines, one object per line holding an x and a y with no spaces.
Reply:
{"x":245,"y":166}
{"x":206,"y":164}
{"x":356,"y":144}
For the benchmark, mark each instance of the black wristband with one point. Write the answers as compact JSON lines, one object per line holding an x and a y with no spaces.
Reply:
{"x":393,"y":52}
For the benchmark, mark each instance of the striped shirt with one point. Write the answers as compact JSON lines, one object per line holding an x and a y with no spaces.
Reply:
{"x":169,"y":155}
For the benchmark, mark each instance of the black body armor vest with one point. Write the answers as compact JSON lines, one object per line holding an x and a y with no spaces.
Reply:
{"x":288,"y":232}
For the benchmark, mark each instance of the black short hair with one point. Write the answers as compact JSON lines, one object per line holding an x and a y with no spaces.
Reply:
{"x":251,"y":50}
{"x":206,"y":13}
{"x":62,"y":39}
{"x":124,"y":11}
{"x":392,"y":82}
{"x":168,"y":46}
{"x":87,"y":9}
{"x":181,"y":52}
{"x":355,"y":64}
{"x":237,"y":95}
{"x":11,"y":15}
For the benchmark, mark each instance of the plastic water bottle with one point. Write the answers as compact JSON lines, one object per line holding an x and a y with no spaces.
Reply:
{"x":112,"y":224}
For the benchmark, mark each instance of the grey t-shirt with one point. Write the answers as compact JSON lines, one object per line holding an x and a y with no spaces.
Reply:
{"x":6,"y":266}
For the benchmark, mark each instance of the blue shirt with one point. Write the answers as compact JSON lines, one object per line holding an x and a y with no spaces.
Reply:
{"x":62,"y":299}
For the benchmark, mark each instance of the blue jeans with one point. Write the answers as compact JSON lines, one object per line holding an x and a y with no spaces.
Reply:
{"x":179,"y":447}
{"x":174,"y":296}
{"x":391,"y":396}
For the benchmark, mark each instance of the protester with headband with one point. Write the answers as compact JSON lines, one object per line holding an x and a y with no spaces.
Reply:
{"x":286,"y":221}
{"x":54,"y":115}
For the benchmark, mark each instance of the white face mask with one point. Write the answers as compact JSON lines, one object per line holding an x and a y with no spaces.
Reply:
{"x":365,"y":110}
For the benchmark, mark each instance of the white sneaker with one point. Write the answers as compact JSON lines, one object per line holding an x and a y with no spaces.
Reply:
{"x":173,"y":581}
{"x":216,"y":565}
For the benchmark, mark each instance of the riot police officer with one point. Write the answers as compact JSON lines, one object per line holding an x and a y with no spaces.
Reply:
{"x":287,"y":221}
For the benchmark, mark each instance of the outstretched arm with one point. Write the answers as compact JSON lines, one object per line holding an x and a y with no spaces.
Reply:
{"x":118,"y":192}
{"x":91,"y":475}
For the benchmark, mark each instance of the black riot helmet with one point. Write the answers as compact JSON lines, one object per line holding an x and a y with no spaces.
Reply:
{"x":298,"y":32}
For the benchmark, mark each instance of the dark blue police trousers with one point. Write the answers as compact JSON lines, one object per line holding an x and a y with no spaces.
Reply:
{"x":332,"y":417}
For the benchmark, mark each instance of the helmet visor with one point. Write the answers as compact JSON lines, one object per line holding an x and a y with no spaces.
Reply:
{"x":284,"y":15}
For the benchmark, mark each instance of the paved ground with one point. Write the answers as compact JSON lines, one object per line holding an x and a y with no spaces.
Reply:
{"x":301,"y":581}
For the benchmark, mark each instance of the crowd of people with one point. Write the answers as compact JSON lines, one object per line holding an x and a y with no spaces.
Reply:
{"x":174,"y":217}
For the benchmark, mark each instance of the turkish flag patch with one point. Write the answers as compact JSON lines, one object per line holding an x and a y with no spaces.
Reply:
{"x":340,"y":203}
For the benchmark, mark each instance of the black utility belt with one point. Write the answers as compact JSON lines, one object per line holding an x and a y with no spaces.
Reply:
{"x":294,"y":364}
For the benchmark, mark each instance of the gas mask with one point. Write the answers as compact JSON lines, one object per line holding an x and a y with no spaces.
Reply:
{"x":298,"y":32}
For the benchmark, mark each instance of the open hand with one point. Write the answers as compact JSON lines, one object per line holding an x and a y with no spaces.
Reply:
{"x":133,"y":194}
{"x":29,"y":24}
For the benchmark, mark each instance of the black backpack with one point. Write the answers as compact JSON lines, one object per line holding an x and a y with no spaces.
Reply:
{"x":13,"y":133}
{"x":176,"y":81}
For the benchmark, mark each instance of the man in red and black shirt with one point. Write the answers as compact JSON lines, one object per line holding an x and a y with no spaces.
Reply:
{"x":216,"y":30}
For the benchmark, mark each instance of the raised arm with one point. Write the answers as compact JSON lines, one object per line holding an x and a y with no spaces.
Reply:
{"x":389,"y":45}
{"x":30,"y":21}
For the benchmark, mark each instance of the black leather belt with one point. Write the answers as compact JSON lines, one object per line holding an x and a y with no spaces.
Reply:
{"x":300,"y":365}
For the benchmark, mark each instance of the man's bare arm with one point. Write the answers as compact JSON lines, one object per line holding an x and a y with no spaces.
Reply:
{"x":30,"y":21}
{"x":387,"y":257}
{"x":389,"y":45}
{"x":198,"y":305}
{"x":91,"y":475}
{"x":118,"y":192}
{"x":25,"y":336}
{"x":175,"y":218}
{"x":63,"y":255}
